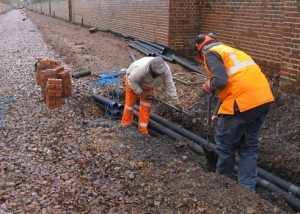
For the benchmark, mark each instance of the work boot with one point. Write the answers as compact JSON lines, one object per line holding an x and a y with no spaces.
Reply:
{"x":125,"y":127}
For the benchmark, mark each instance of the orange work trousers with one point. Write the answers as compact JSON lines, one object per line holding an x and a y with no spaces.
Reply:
{"x":145,"y":107}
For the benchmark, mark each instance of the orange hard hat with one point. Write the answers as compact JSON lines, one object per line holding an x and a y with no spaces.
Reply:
{"x":202,"y":40}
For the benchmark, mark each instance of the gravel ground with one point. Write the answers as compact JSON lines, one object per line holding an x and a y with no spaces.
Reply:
{"x":60,"y":161}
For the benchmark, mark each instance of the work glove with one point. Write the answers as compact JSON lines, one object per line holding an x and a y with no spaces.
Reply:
{"x":214,"y":120}
{"x":207,"y":87}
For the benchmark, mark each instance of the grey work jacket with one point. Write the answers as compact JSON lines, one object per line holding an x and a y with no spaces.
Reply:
{"x":139,"y":78}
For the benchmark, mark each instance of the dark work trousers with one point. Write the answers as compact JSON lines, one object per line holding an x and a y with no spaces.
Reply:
{"x":239,"y":134}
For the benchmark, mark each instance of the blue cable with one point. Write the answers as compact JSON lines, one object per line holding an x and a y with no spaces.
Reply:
{"x":3,"y":102}
{"x":109,"y":79}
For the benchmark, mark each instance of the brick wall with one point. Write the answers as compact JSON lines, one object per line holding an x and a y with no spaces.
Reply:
{"x":267,"y":30}
{"x":143,"y":18}
{"x":290,"y":63}
{"x":252,"y":26}
{"x":184,"y":24}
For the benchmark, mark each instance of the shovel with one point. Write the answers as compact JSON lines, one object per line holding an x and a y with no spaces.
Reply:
{"x":165,"y":103}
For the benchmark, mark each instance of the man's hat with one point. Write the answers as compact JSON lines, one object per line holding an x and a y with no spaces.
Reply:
{"x":158,"y":65}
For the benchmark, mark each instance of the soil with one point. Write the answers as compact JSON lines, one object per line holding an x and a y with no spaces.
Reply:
{"x":122,"y":171}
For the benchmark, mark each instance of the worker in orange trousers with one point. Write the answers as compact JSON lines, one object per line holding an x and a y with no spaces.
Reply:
{"x":142,"y":77}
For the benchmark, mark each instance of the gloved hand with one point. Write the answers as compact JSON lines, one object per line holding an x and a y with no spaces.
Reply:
{"x":145,"y":95}
{"x":214,"y":120}
{"x":207,"y":87}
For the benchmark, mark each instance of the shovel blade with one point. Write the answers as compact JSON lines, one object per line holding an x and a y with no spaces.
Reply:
{"x":211,"y":158}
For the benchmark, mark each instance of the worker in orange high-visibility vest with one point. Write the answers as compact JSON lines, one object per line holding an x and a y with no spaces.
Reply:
{"x":246,"y":96}
{"x":142,"y":77}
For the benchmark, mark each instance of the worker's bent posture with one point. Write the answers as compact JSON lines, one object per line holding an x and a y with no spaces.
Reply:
{"x":142,"y":77}
{"x":246,"y":96}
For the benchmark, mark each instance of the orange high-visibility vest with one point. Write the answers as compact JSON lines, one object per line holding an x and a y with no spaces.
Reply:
{"x":246,"y":85}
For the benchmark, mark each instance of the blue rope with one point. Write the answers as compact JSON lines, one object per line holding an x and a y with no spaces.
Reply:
{"x":111,"y":80}
{"x":3,"y":102}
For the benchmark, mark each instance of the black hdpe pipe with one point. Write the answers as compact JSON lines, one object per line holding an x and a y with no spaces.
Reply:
{"x":157,"y":128}
{"x":156,"y":52}
{"x":111,"y":111}
{"x":261,"y":172}
{"x":153,"y":49}
{"x":161,"y":129}
{"x":147,"y":48}
{"x":169,"y":59}
{"x":188,"y":65}
{"x":106,"y":102}
{"x":279,"y":181}
{"x":151,"y":131}
{"x":81,"y":74}
{"x":291,"y":199}
{"x":201,"y":141}
{"x":159,"y":47}
{"x":196,"y":148}
{"x":182,"y":131}
{"x":133,"y":58}
{"x":266,"y":184}
{"x":140,"y":49}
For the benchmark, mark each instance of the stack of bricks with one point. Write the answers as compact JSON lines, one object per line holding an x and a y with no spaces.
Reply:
{"x":55,"y":82}
{"x":45,"y":75}
{"x":65,"y":76}
{"x":54,"y":92}
{"x":44,"y":64}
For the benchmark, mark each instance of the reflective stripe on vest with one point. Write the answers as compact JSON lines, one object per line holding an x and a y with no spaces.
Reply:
{"x":237,"y":67}
{"x":145,"y":103}
{"x":249,"y":89}
{"x":143,"y":125}
{"x":237,"y":64}
{"x":130,"y":108}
